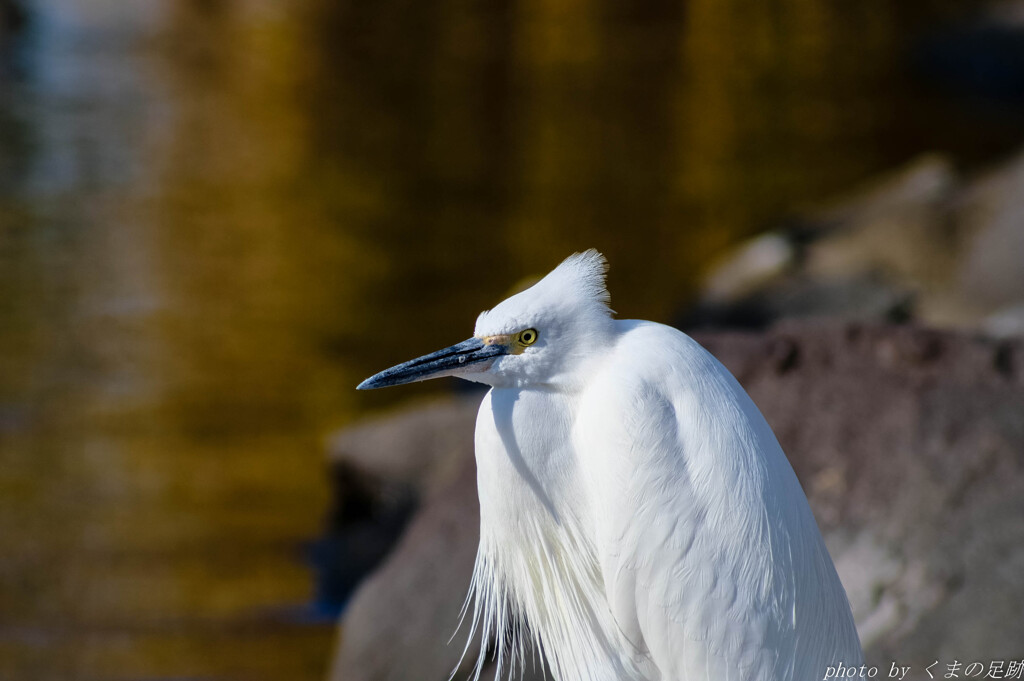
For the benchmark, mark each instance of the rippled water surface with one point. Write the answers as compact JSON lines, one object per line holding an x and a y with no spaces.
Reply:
{"x":217,"y":217}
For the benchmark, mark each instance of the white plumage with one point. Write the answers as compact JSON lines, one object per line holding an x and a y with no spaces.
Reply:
{"x":638,"y":519}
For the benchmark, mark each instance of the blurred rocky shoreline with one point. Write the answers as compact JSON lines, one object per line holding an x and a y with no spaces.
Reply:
{"x":922,"y":244}
{"x":882,"y":336}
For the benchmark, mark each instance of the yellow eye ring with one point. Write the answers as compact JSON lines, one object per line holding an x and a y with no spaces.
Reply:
{"x":528,"y":337}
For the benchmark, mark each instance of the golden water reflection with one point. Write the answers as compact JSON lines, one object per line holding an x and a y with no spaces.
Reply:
{"x":216,"y":218}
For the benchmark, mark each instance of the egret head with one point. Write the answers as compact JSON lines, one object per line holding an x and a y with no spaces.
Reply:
{"x":539,"y":336}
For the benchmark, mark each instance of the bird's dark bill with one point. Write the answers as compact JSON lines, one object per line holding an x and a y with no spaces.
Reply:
{"x":451,"y":360}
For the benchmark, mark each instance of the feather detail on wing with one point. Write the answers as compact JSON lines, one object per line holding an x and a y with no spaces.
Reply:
{"x":711,"y":559}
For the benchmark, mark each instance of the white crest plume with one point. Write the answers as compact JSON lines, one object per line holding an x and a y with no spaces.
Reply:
{"x":577,"y":284}
{"x":584,"y":273}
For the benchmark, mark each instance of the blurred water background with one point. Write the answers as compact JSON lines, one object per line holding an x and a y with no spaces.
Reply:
{"x":217,"y":216}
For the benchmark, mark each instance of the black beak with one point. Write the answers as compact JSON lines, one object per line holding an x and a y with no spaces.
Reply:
{"x":448,"y":362}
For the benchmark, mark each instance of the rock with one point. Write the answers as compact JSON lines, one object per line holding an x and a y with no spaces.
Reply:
{"x":909,"y":443}
{"x":750,"y":267}
{"x":920,"y":243}
{"x":380,"y":470}
{"x":991,"y":271}
{"x":398,"y":624}
{"x":1005,"y":323}
{"x":421,"y":448}
{"x":368,"y":515}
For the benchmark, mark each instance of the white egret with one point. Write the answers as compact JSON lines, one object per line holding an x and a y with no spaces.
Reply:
{"x":637,"y":514}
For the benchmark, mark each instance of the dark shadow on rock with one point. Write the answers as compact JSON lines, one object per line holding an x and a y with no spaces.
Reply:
{"x":368,"y":515}
{"x":379,"y":472}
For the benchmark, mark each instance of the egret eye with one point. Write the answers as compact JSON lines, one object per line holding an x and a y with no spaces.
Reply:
{"x":528,"y":337}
